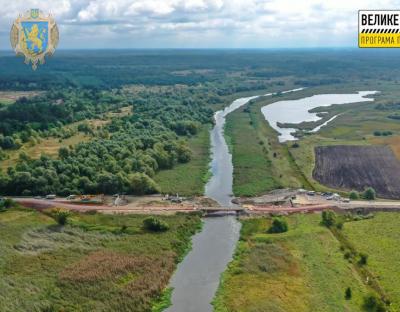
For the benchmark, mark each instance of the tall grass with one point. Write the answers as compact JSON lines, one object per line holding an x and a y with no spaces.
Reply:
{"x":88,"y":264}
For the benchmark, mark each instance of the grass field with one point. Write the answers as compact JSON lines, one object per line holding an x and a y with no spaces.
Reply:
{"x":188,"y":179}
{"x":378,"y":238}
{"x":9,"y":97}
{"x":97,"y":263}
{"x":260,"y":162}
{"x":253,"y":173}
{"x":48,"y":146}
{"x":300,"y":270}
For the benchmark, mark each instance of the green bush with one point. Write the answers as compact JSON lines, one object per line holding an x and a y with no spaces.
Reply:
{"x":339,"y":225}
{"x":363,"y":259}
{"x":328,"y":218}
{"x":369,"y":194}
{"x":279,"y":225}
{"x":6,"y":204}
{"x":61,"y":216}
{"x":347,"y":293}
{"x":155,"y":225}
{"x":354,"y":195}
{"x":373,"y":304}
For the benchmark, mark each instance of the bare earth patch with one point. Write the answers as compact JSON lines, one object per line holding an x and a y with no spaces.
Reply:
{"x":357,"y":167}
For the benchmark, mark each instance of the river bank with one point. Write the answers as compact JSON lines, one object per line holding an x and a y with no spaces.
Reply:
{"x":195,"y":283}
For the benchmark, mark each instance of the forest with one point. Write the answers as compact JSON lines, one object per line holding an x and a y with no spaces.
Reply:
{"x":122,"y":155}
{"x":172,"y":95}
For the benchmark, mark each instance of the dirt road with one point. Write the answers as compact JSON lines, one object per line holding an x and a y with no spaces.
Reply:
{"x":314,"y":204}
{"x":129,"y":208}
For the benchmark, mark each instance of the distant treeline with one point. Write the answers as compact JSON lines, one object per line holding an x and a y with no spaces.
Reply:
{"x":107,"y":69}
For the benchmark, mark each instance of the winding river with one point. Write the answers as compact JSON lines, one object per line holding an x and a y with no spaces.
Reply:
{"x":197,"y":277}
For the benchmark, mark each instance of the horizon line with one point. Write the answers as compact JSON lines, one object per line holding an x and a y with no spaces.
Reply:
{"x":204,"y":48}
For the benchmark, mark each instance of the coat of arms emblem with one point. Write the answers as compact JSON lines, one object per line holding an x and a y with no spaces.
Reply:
{"x":34,"y":36}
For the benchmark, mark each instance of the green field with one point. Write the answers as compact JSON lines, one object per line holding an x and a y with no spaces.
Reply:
{"x":301,"y":270}
{"x":188,"y":179}
{"x":378,"y":238}
{"x":97,"y":263}
{"x":260,"y":162}
{"x":253,"y":172}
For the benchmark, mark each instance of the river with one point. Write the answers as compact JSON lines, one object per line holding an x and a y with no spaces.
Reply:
{"x":197,"y":276}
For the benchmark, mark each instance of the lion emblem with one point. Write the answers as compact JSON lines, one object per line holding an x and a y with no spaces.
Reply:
{"x":33,"y":39}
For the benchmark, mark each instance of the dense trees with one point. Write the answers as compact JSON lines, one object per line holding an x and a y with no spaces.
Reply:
{"x":27,"y":117}
{"x":124,"y":155}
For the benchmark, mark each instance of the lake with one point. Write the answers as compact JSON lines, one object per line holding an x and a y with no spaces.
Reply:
{"x":297,"y":111}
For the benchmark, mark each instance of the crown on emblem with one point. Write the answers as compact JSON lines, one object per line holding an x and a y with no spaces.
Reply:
{"x":34,"y":13}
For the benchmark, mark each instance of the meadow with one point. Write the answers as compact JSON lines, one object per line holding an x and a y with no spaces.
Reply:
{"x":378,"y":238}
{"x":307,"y":268}
{"x":94,"y":263}
{"x":188,"y":179}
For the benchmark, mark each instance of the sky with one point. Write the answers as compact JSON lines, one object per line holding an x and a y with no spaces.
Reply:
{"x":112,"y":24}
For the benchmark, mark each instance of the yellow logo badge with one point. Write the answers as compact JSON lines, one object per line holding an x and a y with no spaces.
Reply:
{"x":379,"y":29}
{"x":34,"y":36}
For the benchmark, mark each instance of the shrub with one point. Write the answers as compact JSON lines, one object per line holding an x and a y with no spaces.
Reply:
{"x":347,"y":293}
{"x":373,"y":304}
{"x":61,"y":216}
{"x":279,"y":225}
{"x":141,"y":184}
{"x":6,"y":204}
{"x":328,"y":218}
{"x":347,"y":255}
{"x":155,"y":225}
{"x":369,"y":194}
{"x":377,"y":133}
{"x":123,"y":228}
{"x":363,"y":259}
{"x":354,"y":195}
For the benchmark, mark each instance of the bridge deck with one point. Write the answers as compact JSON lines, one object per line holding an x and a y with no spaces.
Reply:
{"x":222,"y":209}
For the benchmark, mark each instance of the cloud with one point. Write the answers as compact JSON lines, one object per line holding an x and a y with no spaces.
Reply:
{"x":198,"y":23}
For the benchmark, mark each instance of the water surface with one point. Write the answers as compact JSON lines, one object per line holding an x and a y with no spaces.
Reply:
{"x":297,"y":111}
{"x":197,"y":277}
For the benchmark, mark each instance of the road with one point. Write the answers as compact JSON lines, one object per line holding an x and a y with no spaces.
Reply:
{"x":312,"y":204}
{"x":129,"y":208}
